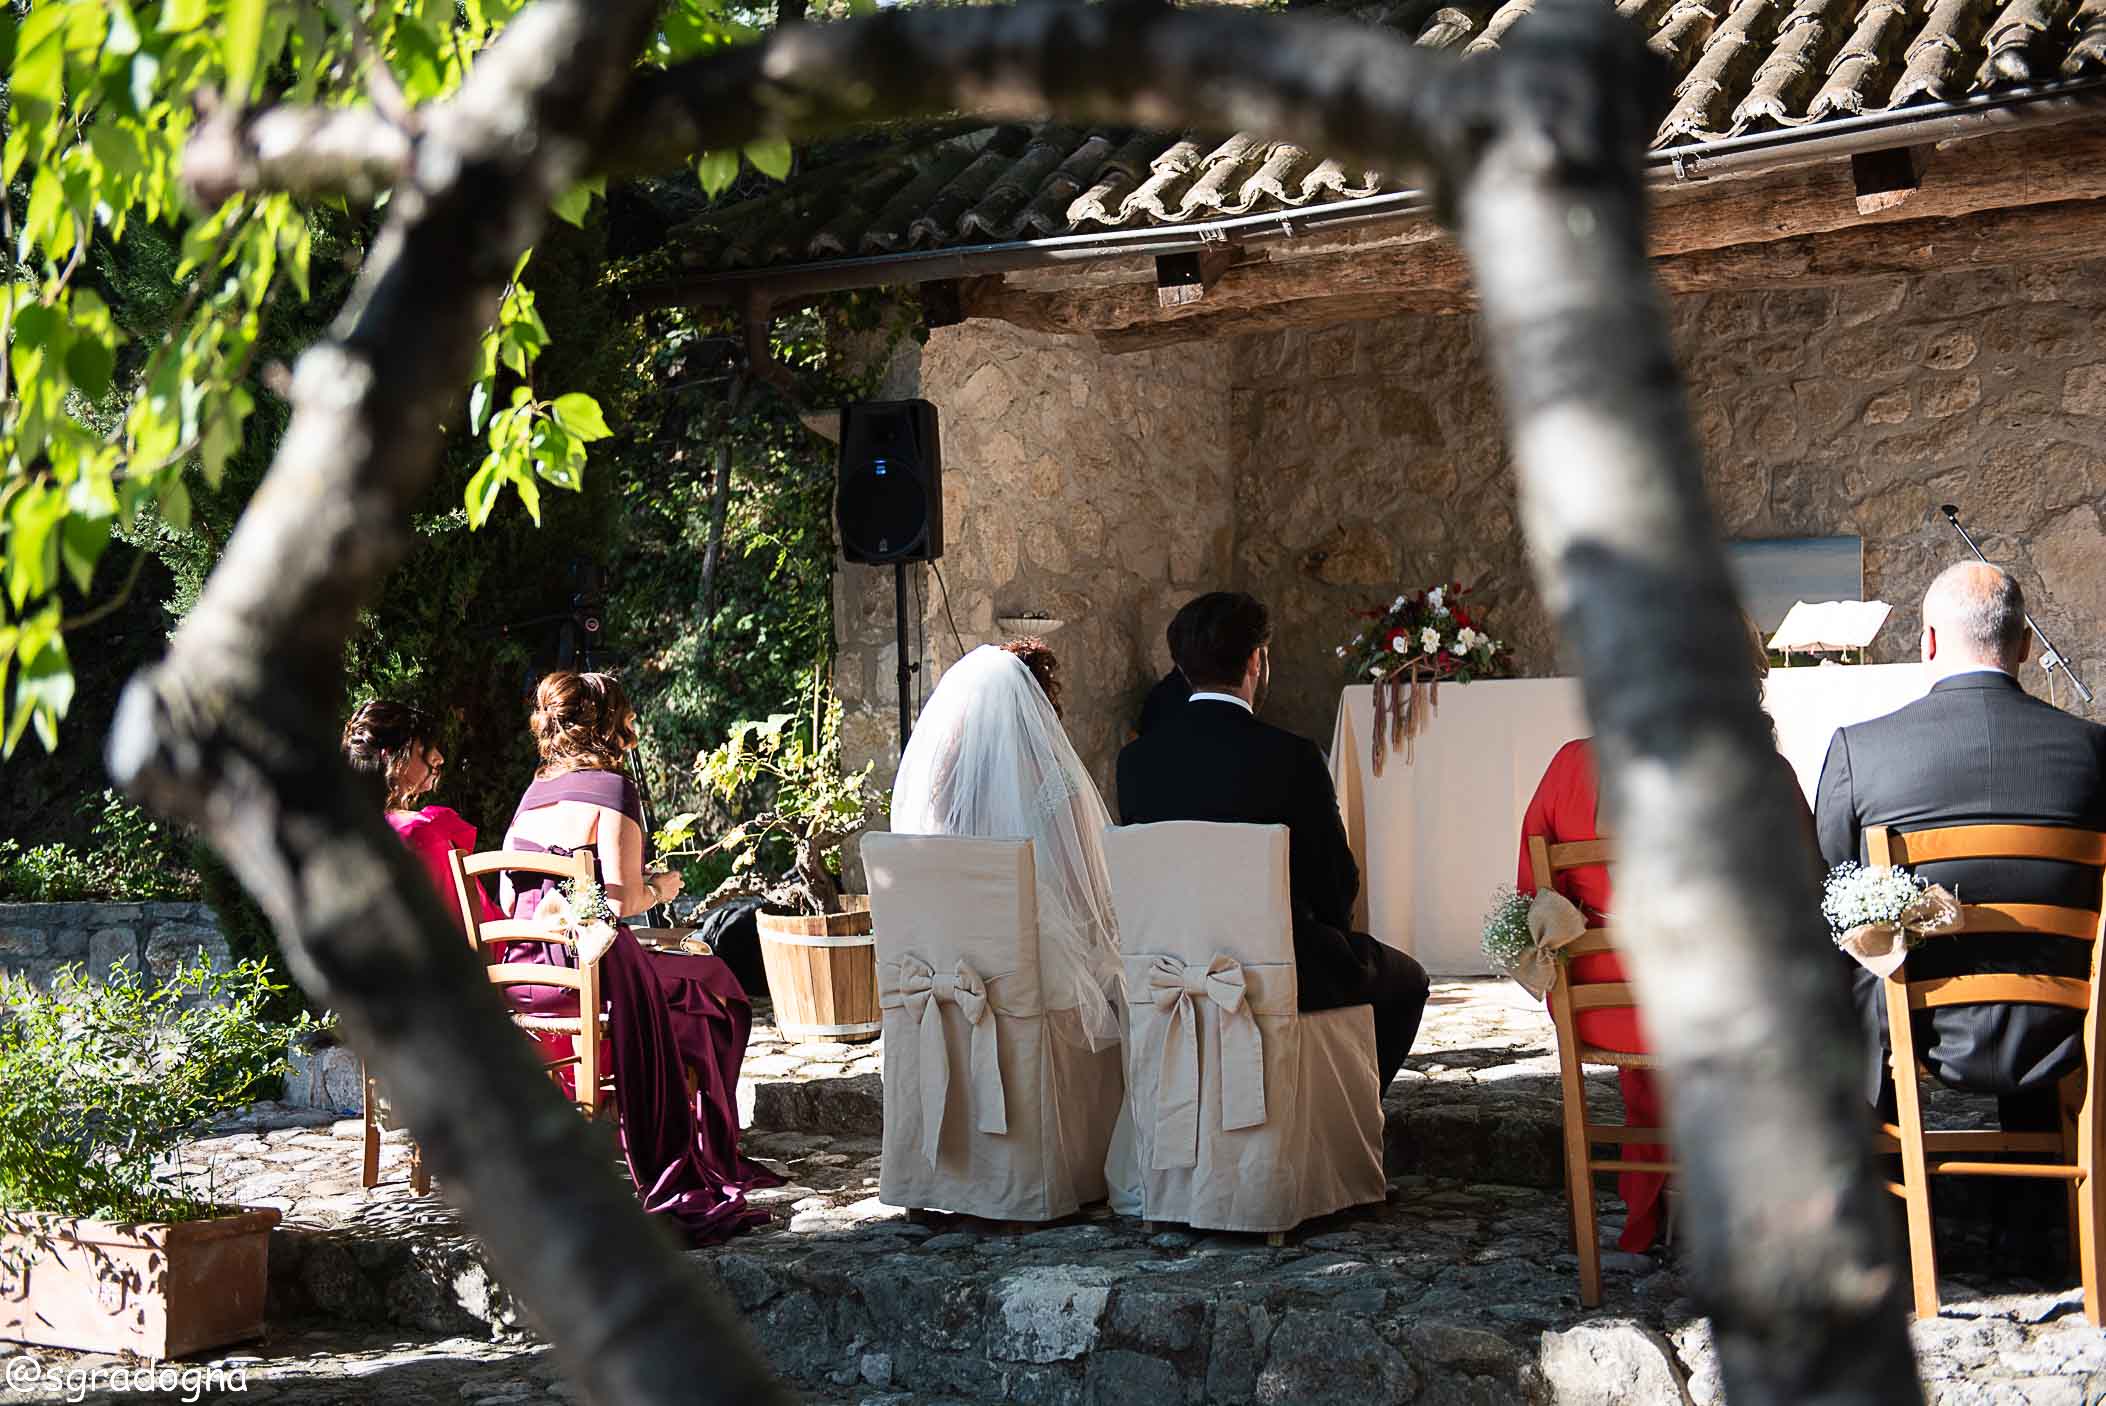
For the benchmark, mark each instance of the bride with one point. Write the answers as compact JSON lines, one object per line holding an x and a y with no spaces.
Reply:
{"x":989,"y":758}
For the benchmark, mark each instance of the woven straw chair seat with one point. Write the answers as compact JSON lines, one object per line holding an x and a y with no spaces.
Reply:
{"x":1594,"y":1054}
{"x":550,"y":1024}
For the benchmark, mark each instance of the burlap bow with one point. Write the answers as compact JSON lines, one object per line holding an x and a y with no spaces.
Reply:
{"x":1553,"y":921}
{"x":922,"y":989}
{"x":1881,"y":948}
{"x":1176,"y":990}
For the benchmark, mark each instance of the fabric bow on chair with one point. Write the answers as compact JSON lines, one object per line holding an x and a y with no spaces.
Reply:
{"x":922,"y":990}
{"x":1176,"y":990}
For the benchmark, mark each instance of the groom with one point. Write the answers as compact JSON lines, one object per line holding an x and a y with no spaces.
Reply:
{"x":1213,"y":760}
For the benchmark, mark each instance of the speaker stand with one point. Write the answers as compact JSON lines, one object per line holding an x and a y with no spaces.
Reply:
{"x":906,"y":670}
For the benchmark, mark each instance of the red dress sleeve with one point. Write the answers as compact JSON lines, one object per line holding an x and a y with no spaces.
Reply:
{"x":433,"y":834}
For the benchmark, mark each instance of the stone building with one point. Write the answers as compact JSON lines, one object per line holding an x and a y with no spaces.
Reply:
{"x":1167,"y":364}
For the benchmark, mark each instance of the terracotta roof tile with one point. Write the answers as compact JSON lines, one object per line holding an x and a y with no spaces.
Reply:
{"x":1742,"y":66}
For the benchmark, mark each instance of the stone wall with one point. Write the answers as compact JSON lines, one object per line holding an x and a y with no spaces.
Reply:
{"x":1325,"y":469}
{"x":1369,"y":456}
{"x":154,"y":939}
{"x":1092,"y":489}
{"x":36,"y":939}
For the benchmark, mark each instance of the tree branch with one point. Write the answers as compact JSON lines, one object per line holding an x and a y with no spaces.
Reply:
{"x":235,"y":731}
{"x":1536,"y":149}
{"x":1716,"y":902}
{"x":355,"y":152}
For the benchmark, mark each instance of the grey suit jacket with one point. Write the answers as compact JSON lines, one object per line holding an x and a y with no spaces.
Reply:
{"x":1977,"y":750}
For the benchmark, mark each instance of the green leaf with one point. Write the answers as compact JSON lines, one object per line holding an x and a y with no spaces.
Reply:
{"x":770,"y":156}
{"x":479,"y":404}
{"x":579,"y":414}
{"x":178,"y":16}
{"x":243,"y":40}
{"x":483,"y":490}
{"x":37,"y":81}
{"x":175,"y":504}
{"x":89,"y":362}
{"x":572,"y":205}
{"x":81,"y":544}
{"x":43,"y":693}
{"x":717,"y":170}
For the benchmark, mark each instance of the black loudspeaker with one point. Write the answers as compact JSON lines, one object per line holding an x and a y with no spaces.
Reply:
{"x":889,"y":503}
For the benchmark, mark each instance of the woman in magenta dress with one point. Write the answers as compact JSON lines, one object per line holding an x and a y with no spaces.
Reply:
{"x":397,"y":745}
{"x":670,"y":1013}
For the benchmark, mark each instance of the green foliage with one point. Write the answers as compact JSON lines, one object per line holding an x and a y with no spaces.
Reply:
{"x":101,"y":1081}
{"x":133,"y":859}
{"x":790,"y":766}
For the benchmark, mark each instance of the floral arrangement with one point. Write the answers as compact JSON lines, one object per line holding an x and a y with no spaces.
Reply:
{"x":580,"y":908}
{"x":1507,"y":939}
{"x":1430,"y":630}
{"x":1523,"y":932}
{"x":1877,"y":912}
{"x":1407,"y":650}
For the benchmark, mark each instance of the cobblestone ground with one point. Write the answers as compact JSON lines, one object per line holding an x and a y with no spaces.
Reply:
{"x":1459,"y":1289}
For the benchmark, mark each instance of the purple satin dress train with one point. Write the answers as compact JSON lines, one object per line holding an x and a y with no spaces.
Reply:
{"x":668,"y":1013}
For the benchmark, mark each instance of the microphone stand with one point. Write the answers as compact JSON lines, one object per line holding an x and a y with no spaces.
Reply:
{"x":2051,"y":658}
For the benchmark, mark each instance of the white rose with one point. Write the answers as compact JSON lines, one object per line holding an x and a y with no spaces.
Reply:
{"x":1400,"y":645}
{"x":1466,"y":640}
{"x":1430,"y":640}
{"x":1375,"y":670}
{"x":1434,"y":597}
{"x":1341,"y":651}
{"x":1397,"y":604}
{"x":1459,"y":649}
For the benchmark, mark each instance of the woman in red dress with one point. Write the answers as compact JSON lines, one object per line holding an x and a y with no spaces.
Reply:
{"x":1563,"y":812}
{"x":397,"y":744}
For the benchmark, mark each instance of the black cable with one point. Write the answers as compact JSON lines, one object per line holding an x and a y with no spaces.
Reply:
{"x":921,"y":645}
{"x":938,"y":567}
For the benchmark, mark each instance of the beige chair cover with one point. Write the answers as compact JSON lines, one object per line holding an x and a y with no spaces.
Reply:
{"x":993,"y":1107}
{"x":1248,"y":1114}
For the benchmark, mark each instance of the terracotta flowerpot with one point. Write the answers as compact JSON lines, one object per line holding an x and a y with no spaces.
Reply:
{"x":159,"y":1290}
{"x":822,"y":972}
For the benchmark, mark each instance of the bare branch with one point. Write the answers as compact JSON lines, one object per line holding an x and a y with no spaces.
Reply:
{"x":351,"y":151}
{"x":1716,"y":898}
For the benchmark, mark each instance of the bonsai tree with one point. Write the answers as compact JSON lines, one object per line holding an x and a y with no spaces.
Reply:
{"x":790,"y":765}
{"x":104,"y":1080}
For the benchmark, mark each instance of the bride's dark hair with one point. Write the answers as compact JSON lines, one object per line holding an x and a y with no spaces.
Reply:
{"x":1042,"y":663}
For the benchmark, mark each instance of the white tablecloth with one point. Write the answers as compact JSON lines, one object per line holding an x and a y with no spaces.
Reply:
{"x":1435,"y":838}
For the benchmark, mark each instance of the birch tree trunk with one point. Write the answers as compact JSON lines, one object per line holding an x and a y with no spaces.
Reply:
{"x":1535,"y":151}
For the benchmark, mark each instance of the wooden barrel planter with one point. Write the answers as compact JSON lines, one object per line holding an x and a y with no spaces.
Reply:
{"x":822,"y":972}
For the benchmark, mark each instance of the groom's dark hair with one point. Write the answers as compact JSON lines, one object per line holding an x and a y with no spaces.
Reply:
{"x":1213,"y":637}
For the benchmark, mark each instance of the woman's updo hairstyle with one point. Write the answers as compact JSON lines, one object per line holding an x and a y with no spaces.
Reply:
{"x":381,"y":736}
{"x":581,"y":722}
{"x":1043,"y":664}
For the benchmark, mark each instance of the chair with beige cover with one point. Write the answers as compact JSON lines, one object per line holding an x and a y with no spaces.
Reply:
{"x":1249,"y":1114}
{"x":994,"y":1106}
{"x":2070,"y":1156}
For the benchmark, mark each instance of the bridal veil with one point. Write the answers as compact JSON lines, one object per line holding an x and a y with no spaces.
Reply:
{"x":989,"y":758}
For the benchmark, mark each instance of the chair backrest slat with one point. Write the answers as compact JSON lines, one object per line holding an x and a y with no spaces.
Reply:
{"x":535,"y":974}
{"x":528,"y":861}
{"x":2012,"y":987}
{"x":516,"y":930}
{"x":1577,"y":854}
{"x":1992,"y":842}
{"x":1602,"y":995}
{"x":2032,"y":919}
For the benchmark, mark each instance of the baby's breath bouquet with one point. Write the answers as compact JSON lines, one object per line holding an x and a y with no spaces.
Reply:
{"x":1876,"y":912}
{"x":1523,"y":932}
{"x":1507,"y":940}
{"x":581,"y":909}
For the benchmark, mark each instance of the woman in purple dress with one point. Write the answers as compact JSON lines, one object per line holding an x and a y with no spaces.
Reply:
{"x":670,"y":1013}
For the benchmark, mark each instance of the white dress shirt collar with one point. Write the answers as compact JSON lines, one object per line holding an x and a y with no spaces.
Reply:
{"x":1222,"y":698}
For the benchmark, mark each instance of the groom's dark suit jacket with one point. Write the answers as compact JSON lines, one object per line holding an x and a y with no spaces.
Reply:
{"x":1209,"y":760}
{"x":1977,"y":750}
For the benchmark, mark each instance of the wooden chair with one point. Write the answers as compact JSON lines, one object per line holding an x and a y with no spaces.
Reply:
{"x":2076,"y":1147}
{"x":591,"y":1083}
{"x":1546,"y":860}
{"x":369,"y":1177}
